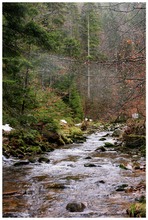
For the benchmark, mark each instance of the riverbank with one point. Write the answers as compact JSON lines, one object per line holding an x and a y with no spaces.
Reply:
{"x":31,"y":141}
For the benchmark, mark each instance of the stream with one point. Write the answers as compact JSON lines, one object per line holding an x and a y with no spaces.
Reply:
{"x":75,"y":173}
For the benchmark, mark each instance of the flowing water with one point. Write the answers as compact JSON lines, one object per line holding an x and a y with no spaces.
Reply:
{"x":43,"y":190}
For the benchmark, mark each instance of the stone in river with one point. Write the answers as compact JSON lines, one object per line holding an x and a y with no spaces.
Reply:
{"x":89,"y":165}
{"x":75,"y":207}
{"x":88,"y":158}
{"x":43,"y":159}
{"x":22,"y":162}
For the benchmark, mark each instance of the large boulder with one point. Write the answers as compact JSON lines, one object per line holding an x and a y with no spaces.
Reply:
{"x":118,"y":132}
{"x":134,"y":141}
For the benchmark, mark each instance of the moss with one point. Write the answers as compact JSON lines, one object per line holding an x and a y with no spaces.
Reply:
{"x":123,"y":167}
{"x":134,"y":141}
{"x":66,"y":139}
{"x":143,"y":150}
{"x":107,"y":144}
{"x":34,"y":149}
{"x":137,"y":210}
{"x":75,"y":131}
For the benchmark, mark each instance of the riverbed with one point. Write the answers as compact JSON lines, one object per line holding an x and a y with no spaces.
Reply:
{"x":75,"y":173}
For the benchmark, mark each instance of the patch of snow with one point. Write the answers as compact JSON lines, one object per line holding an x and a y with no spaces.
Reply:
{"x":78,"y":125}
{"x":7,"y":127}
{"x":135,"y":115}
{"x":63,"y":121}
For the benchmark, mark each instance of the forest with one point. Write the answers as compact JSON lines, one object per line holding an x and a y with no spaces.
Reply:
{"x":69,"y":70}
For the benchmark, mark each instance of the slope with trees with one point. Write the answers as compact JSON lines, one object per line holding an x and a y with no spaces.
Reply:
{"x":90,"y":57}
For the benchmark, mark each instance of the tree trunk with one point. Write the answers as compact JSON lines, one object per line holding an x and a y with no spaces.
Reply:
{"x":88,"y":53}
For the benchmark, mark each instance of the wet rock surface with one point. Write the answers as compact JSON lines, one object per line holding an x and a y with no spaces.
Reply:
{"x":75,"y":207}
{"x":79,"y":173}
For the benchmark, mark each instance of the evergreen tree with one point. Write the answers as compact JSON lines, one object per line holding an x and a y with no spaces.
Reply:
{"x":75,"y":103}
{"x":20,"y":33}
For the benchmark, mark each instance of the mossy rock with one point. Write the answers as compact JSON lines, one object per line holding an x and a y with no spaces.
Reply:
{"x":13,"y":153}
{"x":75,"y":131}
{"x":32,"y":160}
{"x":108,"y":144}
{"x":34,"y":149}
{"x":142,"y":149}
{"x":66,"y":139}
{"x":141,"y":199}
{"x":53,"y":137}
{"x":121,"y":187}
{"x":75,"y":207}
{"x":20,"y":163}
{"x":101,"y":149}
{"x":122,"y":166}
{"x":16,"y":142}
{"x":134,"y":141}
{"x":89,"y":165}
{"x":137,"y":210}
{"x":79,"y":139}
{"x":102,"y":139}
{"x":20,"y":153}
{"x":43,"y":159}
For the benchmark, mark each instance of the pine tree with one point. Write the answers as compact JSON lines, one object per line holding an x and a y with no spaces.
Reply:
{"x":21,"y":34}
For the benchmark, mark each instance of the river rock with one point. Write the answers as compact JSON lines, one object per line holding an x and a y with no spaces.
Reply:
{"x":56,"y":186}
{"x":22,"y":162}
{"x":134,"y":141}
{"x":106,"y":135}
{"x":43,"y":159}
{"x":122,"y":166}
{"x":117,"y":133}
{"x":101,"y":149}
{"x":88,"y":158}
{"x":89,"y":165}
{"x":121,"y":187}
{"x":102,"y":139}
{"x":100,"y":181}
{"x":75,"y":207}
{"x":32,"y":160}
{"x":108,"y":144}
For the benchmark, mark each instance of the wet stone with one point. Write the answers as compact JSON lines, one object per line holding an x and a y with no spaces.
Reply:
{"x":102,"y":139}
{"x":10,"y":215}
{"x":87,"y":158}
{"x":108,"y":144}
{"x":100,"y":181}
{"x":32,"y":160}
{"x":55,"y":186}
{"x":75,"y":207}
{"x":101,"y":149}
{"x":91,"y":165}
{"x":121,"y":187}
{"x":20,"y":163}
{"x":43,"y":159}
